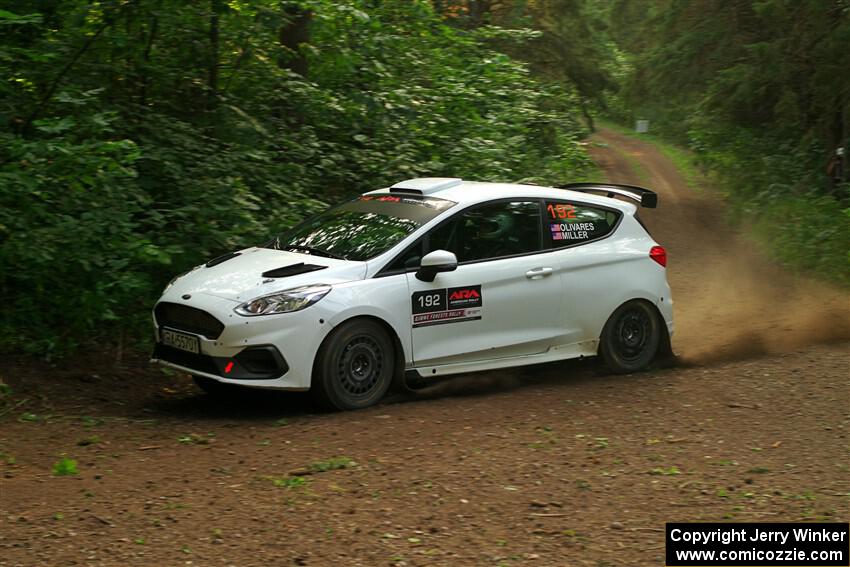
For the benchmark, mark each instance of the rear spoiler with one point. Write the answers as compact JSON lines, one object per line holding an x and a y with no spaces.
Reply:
{"x":644,"y":197}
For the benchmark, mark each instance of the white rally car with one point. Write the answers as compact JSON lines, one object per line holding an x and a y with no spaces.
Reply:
{"x":424,"y":279}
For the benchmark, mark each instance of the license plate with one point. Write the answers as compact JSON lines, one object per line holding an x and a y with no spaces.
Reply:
{"x":183,"y":341}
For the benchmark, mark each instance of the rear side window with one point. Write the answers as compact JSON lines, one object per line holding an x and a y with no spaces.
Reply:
{"x":569,"y":224}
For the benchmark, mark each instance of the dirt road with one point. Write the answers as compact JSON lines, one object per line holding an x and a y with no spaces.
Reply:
{"x":551,"y":465}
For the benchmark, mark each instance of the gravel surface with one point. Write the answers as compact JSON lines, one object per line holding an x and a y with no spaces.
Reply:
{"x":557,"y":464}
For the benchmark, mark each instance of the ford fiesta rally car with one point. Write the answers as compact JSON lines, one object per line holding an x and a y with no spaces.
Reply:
{"x":424,"y":279}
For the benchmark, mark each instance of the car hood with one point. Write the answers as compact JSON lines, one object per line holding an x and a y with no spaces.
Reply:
{"x":253,"y":272}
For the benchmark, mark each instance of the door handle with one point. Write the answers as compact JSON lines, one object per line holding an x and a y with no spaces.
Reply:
{"x":539,"y":273}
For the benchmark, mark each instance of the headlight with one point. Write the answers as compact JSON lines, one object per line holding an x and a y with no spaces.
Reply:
{"x":287,"y":301}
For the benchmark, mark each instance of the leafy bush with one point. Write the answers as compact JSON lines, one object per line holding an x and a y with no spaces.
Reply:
{"x":726,"y":79}
{"x":135,"y":142}
{"x":65,"y":467}
{"x":774,"y":187}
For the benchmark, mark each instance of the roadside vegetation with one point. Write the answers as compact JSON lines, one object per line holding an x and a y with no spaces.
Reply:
{"x":138,"y":140}
{"x":727,"y":81}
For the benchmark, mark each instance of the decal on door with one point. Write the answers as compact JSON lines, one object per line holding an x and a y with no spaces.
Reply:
{"x":452,"y":305}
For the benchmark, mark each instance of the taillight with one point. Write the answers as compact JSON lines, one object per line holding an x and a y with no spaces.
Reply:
{"x":659,"y":254}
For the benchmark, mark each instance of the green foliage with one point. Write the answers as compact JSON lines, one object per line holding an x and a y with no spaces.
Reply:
{"x":194,"y":439}
{"x":290,"y":482}
{"x":65,"y":467}
{"x":665,"y":471}
{"x":137,"y":141}
{"x":332,"y":464}
{"x":772,"y":188}
{"x":758,"y":91}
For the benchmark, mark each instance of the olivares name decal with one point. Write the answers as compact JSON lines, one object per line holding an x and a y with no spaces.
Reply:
{"x":447,"y":305}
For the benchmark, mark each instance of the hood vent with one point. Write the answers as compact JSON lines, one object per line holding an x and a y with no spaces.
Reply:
{"x":221,"y":259}
{"x":293,"y":270}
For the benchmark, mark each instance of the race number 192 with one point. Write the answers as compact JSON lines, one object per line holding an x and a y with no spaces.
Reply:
{"x":429,"y":301}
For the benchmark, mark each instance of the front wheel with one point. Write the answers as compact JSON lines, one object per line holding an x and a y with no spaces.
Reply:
{"x":354,"y":366}
{"x":631,"y":337}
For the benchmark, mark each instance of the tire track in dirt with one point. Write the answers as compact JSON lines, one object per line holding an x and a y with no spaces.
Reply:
{"x":730,"y":302}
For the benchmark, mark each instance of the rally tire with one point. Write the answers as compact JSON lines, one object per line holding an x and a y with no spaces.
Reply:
{"x":631,"y":337}
{"x":354,"y":366}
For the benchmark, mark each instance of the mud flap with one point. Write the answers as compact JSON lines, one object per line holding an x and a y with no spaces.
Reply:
{"x":409,"y":382}
{"x":665,"y":358}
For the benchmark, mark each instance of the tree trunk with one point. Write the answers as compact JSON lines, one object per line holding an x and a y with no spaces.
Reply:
{"x":587,"y":116}
{"x":212,"y":79}
{"x":144,"y":81}
{"x":292,"y":34}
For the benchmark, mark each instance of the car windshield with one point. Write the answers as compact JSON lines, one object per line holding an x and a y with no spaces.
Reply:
{"x":363,"y":228}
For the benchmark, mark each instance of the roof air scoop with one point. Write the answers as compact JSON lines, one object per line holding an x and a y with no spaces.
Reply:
{"x":425,"y":185}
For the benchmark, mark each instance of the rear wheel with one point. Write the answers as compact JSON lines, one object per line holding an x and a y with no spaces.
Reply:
{"x":631,"y":337}
{"x":354,"y":366}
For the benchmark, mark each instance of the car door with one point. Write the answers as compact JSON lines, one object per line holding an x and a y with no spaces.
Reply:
{"x":504,"y":297}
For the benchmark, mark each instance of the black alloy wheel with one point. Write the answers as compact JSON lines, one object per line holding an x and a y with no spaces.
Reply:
{"x":354,"y":367}
{"x":631,"y":337}
{"x":359,"y":366}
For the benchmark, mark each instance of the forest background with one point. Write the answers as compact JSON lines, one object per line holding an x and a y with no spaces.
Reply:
{"x":141,"y":137}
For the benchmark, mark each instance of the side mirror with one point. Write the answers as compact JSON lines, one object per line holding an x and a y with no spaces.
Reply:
{"x":435,"y":262}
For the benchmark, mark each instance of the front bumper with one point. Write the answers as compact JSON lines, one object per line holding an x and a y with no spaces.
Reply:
{"x":252,"y":363}
{"x":273,"y":351}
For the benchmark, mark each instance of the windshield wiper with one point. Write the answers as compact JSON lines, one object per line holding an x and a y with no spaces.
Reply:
{"x":310,"y":249}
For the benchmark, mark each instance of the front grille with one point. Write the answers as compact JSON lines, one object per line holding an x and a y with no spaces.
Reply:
{"x":189,"y":319}
{"x":200,"y":362}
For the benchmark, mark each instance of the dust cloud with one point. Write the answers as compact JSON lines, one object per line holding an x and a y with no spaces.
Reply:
{"x":739,"y":305}
{"x":730,"y":301}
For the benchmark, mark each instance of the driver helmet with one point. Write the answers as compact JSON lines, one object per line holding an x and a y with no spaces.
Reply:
{"x":495,"y":227}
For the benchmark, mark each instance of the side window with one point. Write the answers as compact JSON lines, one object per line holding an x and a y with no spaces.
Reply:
{"x":575,"y":223}
{"x":490,"y":231}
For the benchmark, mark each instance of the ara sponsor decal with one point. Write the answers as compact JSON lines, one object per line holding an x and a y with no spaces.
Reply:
{"x":572,"y":231}
{"x":452,"y":305}
{"x":469,"y":296}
